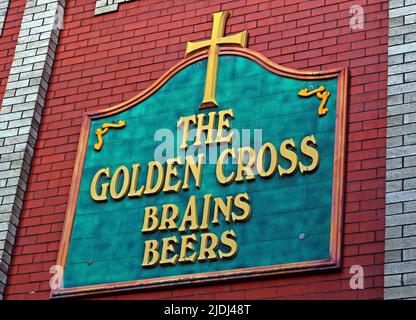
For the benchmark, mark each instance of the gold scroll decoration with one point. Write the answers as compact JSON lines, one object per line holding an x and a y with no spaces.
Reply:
{"x":100,"y":132}
{"x":321,"y":93}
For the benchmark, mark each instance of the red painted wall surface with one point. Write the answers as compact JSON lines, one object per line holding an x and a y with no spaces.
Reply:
{"x":103,"y":60}
{"x":8,"y":41}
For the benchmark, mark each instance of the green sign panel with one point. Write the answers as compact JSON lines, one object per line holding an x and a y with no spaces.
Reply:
{"x":168,"y":190}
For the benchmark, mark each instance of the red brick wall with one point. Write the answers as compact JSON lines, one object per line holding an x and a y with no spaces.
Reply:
{"x":103,"y":60}
{"x":8,"y":41}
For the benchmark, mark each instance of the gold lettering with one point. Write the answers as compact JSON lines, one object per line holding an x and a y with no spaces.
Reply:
{"x":150,"y":175}
{"x":190,"y":216}
{"x":288,"y":155}
{"x":219,"y":169}
{"x":273,"y":160}
{"x":168,"y":221}
{"x":209,"y":244}
{"x":114,"y":183}
{"x":186,"y":246}
{"x":104,"y":187}
{"x":228,"y":238}
{"x":226,"y":209}
{"x":150,"y":249}
{"x":196,"y":170}
{"x":186,"y":121}
{"x":133,"y":186}
{"x":150,"y":215}
{"x":206,"y":212}
{"x":172,"y":172}
{"x":167,"y":248}
{"x":224,"y":124}
{"x":201,"y":127}
{"x":242,"y":202}
{"x":310,"y":152}
{"x":245,"y":168}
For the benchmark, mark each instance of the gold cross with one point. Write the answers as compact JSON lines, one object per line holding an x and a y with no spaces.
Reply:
{"x":213,"y":44}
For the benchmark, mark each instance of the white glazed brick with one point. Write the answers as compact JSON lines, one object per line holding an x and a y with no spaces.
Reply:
{"x":400,"y":244}
{"x":4,"y":5}
{"x":104,"y":6}
{"x":20,"y":113}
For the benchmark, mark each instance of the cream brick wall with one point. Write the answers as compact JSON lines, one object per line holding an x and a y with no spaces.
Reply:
{"x":4,"y":4}
{"x":400,"y":255}
{"x":104,"y":6}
